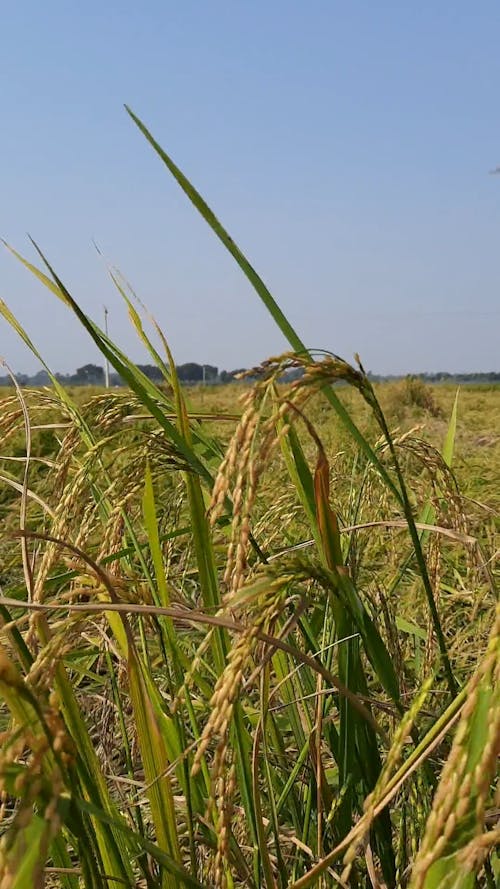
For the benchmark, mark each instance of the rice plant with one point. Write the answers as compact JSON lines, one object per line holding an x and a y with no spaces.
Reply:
{"x":267,"y":656}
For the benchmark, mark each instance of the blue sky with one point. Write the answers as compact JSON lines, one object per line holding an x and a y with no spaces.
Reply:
{"x":345,"y":146}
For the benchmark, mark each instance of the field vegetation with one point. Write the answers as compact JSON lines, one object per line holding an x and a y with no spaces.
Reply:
{"x":250,"y":635}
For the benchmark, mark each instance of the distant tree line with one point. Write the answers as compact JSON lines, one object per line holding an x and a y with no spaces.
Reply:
{"x":443,"y":377}
{"x":191,"y":372}
{"x":93,"y":375}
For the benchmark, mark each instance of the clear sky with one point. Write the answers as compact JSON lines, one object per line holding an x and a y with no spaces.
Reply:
{"x":346,"y":146}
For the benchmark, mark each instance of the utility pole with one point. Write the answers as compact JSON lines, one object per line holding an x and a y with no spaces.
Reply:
{"x":106,"y":362}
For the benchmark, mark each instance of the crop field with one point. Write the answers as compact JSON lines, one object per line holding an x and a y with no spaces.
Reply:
{"x":250,"y":634}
